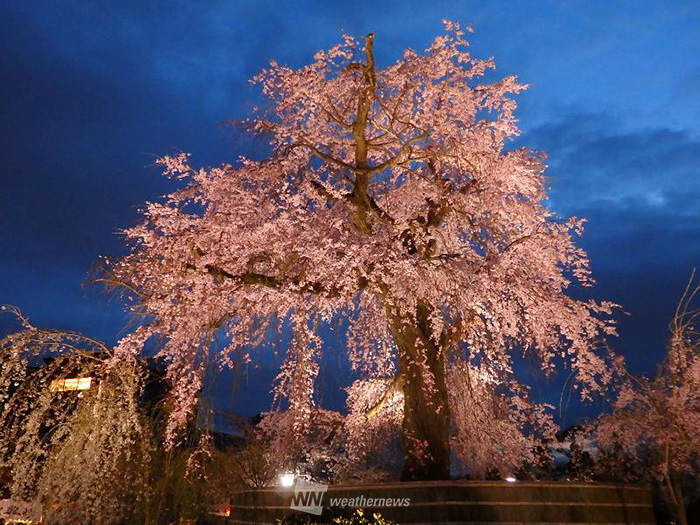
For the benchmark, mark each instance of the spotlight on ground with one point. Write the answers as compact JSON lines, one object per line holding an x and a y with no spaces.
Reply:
{"x":287,"y":479}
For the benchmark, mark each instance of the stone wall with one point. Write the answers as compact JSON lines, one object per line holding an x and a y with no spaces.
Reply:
{"x":455,"y":502}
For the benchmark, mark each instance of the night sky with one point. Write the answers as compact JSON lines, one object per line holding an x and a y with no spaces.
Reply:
{"x":92,"y":92}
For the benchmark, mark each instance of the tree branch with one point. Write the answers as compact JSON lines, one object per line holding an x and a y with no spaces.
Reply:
{"x":396,"y":385}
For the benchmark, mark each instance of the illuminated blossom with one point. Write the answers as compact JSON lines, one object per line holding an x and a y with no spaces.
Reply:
{"x":391,"y":198}
{"x":657,"y":421}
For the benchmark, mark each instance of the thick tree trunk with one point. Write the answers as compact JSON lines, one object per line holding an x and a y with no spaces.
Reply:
{"x":426,"y":413}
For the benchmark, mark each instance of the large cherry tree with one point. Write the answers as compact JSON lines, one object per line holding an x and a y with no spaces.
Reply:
{"x":391,"y":197}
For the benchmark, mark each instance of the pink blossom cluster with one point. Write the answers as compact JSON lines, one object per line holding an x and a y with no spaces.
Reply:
{"x":386,"y":189}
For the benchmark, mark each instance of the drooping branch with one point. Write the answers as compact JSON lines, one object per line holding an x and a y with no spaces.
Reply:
{"x":51,"y":338}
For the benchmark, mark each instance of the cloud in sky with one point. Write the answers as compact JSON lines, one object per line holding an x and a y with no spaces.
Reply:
{"x":639,"y":188}
{"x":597,"y":163}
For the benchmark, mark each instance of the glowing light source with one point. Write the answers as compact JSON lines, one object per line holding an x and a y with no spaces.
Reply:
{"x":220,"y":510}
{"x":287,"y":479}
{"x":511,"y":479}
{"x":65,"y":385}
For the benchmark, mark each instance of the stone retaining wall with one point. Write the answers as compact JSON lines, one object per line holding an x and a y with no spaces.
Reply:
{"x":456,"y":502}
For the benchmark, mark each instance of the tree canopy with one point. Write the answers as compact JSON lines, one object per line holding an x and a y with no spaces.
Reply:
{"x":392,"y":197}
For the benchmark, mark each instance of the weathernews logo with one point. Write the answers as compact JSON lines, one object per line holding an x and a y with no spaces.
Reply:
{"x":308,"y":496}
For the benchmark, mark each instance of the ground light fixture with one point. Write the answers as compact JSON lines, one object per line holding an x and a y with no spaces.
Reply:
{"x":287,"y":479}
{"x":511,"y":479}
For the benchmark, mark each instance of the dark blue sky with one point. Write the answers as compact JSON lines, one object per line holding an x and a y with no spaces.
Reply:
{"x":91,"y":92}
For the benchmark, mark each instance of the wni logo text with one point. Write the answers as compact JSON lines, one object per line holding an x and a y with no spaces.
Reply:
{"x":308,"y":496}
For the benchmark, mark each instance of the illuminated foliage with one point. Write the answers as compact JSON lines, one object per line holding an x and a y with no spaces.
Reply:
{"x":391,"y":198}
{"x":657,"y":422}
